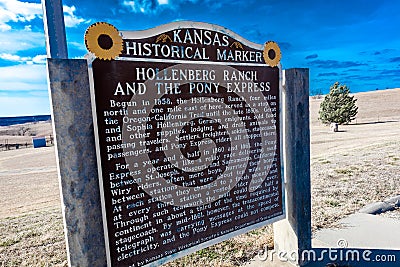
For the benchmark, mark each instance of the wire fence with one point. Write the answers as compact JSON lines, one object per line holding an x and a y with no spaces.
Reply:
{"x":10,"y":145}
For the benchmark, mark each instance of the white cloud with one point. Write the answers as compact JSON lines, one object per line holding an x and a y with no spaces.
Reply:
{"x":10,"y":57}
{"x":70,"y":19}
{"x":19,"y":40}
{"x":23,"y":90}
{"x":77,"y":45}
{"x":130,"y":4}
{"x":23,"y":77}
{"x":17,"y":11}
{"x":38,"y":59}
{"x":155,"y":6}
{"x":4,"y":27}
{"x":144,"y":6}
{"x":11,"y":106}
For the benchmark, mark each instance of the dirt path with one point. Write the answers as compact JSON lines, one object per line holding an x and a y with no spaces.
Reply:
{"x":28,"y":181}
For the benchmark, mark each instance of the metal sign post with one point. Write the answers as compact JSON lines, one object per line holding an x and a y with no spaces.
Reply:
{"x":74,"y":141}
{"x":54,"y":29}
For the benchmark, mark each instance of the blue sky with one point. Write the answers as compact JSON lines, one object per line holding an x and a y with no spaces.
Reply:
{"x":355,"y":42}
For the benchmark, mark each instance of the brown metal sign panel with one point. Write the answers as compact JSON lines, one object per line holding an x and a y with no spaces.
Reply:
{"x":188,"y":138}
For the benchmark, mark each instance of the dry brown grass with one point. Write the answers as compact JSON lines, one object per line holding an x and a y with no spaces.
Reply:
{"x":33,"y":239}
{"x":23,"y":133}
{"x":349,"y":169}
{"x":342,"y":183}
{"x":232,"y":252}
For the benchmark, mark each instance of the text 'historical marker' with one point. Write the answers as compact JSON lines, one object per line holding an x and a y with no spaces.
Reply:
{"x":188,"y":138}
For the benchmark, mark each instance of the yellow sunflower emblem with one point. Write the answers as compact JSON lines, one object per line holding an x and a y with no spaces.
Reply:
{"x":103,"y":40}
{"x":272,"y":53}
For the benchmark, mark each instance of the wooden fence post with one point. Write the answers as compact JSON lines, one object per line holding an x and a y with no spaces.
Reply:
{"x":294,"y":233}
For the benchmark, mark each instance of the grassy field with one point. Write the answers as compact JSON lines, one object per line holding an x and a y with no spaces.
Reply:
{"x":349,"y":169}
{"x":33,"y":239}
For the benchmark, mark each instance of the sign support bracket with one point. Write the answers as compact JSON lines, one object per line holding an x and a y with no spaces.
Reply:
{"x":74,"y":141}
{"x":294,"y":232}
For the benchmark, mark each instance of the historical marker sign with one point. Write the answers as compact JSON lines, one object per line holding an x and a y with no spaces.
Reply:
{"x":188,"y":136}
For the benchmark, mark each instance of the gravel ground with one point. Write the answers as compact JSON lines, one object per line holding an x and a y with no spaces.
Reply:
{"x":343,"y":183}
{"x":394,"y":214}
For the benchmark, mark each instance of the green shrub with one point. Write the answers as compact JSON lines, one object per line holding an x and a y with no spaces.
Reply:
{"x":338,"y":106}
